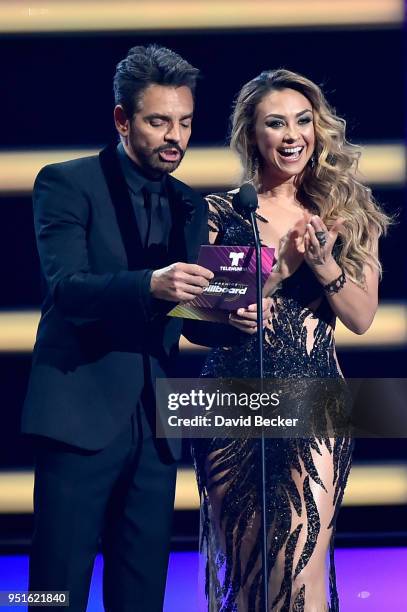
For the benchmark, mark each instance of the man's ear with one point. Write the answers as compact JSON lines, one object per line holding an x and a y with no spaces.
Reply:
{"x":121,"y":121}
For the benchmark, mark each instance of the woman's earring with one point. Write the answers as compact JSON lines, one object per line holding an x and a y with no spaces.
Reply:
{"x":255,"y":163}
{"x":313,"y":161}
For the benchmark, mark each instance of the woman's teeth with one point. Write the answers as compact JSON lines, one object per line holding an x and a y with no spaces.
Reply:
{"x":292,"y":153}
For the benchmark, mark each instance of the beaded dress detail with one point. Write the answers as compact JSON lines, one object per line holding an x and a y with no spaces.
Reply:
{"x":306,"y":477}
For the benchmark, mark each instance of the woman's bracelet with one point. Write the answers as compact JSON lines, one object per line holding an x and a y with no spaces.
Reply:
{"x":336,"y":285}
{"x":277,"y":286}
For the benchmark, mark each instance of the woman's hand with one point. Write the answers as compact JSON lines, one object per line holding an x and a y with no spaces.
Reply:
{"x":319,"y":242}
{"x":245,"y":319}
{"x":291,"y":249}
{"x":290,"y":257}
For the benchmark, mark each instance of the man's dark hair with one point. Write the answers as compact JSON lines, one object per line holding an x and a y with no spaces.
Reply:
{"x":145,"y":66}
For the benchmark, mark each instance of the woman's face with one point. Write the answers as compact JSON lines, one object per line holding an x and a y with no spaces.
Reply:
{"x":284,"y":132}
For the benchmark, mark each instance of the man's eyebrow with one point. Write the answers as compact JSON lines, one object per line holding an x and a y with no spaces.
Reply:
{"x":167,"y":117}
{"x":306,"y":110}
{"x":156,"y":116}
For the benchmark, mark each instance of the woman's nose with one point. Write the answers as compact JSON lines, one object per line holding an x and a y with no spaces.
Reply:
{"x":291,"y":134}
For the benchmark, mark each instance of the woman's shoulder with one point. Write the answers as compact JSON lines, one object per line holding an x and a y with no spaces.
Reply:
{"x":221,"y":198}
{"x":221,"y":203}
{"x":221,"y":211}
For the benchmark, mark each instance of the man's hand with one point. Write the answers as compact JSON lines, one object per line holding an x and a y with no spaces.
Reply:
{"x":179,"y":282}
{"x":245,"y":319}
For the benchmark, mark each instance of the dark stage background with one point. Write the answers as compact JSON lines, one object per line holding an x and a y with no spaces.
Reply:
{"x":57,"y":93}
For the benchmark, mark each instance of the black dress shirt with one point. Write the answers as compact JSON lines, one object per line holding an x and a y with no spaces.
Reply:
{"x":151,"y":208}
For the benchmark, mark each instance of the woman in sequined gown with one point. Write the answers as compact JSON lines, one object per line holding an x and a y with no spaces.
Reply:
{"x":325,"y":226}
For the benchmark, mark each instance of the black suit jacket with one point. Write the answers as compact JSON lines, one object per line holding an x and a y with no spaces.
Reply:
{"x":101,"y":337}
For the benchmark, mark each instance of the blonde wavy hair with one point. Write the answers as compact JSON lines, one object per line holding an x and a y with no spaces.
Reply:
{"x":328,"y":185}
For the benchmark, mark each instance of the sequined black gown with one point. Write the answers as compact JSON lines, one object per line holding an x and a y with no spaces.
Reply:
{"x":306,"y":478}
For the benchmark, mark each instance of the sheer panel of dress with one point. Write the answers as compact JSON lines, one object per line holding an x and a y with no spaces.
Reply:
{"x":305,"y":477}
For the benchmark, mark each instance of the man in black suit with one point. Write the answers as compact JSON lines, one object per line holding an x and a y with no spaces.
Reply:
{"x":118,"y":239}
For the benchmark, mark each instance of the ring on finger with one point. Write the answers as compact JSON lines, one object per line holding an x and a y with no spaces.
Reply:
{"x":321,"y":237}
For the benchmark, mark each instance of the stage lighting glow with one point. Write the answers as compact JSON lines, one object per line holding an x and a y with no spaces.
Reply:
{"x":389,"y":329}
{"x":369,"y":485}
{"x":203,"y":167}
{"x":157,"y":15}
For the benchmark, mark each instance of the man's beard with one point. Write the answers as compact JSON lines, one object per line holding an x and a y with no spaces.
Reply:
{"x":150,"y":161}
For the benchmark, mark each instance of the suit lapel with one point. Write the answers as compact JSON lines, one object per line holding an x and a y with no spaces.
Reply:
{"x":183,"y":236}
{"x":121,"y":201}
{"x":183,"y":239}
